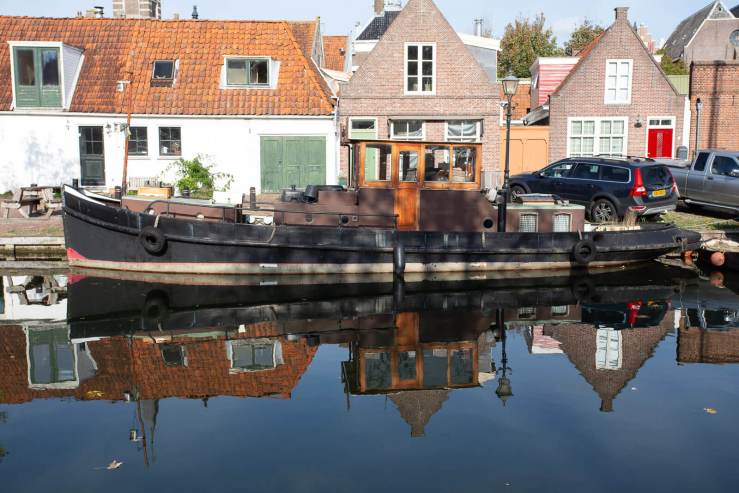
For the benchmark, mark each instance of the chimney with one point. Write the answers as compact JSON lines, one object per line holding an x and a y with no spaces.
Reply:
{"x":99,"y":12}
{"x":379,"y":7}
{"x":622,"y":14}
{"x":195,"y":14}
{"x":478,"y":26}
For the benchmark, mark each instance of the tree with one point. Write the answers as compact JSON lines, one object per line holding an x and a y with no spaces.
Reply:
{"x":523,"y":41}
{"x":672,"y":67}
{"x":582,"y":36}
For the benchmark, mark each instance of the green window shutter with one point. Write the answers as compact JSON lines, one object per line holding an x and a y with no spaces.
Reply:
{"x":27,"y":92}
{"x":49,"y":69}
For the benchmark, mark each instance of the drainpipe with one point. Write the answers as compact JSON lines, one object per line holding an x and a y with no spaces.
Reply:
{"x":698,"y":111}
{"x":337,"y":136}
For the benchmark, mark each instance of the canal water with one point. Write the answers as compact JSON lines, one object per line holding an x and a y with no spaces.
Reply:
{"x":626,"y":380}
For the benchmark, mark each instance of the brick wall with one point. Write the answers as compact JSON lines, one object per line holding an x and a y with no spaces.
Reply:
{"x":695,"y":345}
{"x":582,"y":94}
{"x":463,"y":89}
{"x":521,"y":100}
{"x":717,"y":86}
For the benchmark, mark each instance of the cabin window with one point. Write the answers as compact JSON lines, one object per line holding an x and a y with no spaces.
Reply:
{"x":377,"y":374}
{"x":420,"y":65}
{"x":461,"y":366}
{"x":247,"y":72}
{"x":170,"y":141}
{"x":407,"y":365}
{"x":164,"y":70}
{"x":464,"y":164}
{"x":437,"y":163}
{"x":408,"y":166}
{"x":463,"y":131}
{"x":528,"y":223}
{"x":561,"y":223}
{"x":378,"y":162}
{"x":435,"y":367}
{"x":174,"y":355}
{"x":407,"y":130}
{"x":138,"y":141}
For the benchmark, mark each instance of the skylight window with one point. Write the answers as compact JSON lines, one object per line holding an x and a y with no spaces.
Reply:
{"x":164,"y":70}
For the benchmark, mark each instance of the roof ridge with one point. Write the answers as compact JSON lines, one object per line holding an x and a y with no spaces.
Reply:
{"x":131,"y":20}
{"x":306,"y":66}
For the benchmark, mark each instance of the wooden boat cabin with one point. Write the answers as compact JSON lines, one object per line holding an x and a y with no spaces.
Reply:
{"x":420,"y":186}
{"x":409,"y":186}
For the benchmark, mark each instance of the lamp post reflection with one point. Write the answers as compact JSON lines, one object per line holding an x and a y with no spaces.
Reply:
{"x":504,"y":390}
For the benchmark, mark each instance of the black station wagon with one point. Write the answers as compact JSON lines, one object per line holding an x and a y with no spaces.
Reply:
{"x":607,"y":187}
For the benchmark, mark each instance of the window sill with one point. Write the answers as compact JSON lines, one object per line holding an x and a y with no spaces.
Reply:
{"x":260,"y":86}
{"x":420,"y":94}
{"x":138,"y":157}
{"x":169,"y":158}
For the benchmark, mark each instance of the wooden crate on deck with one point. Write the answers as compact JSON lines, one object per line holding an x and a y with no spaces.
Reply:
{"x":158,"y":192}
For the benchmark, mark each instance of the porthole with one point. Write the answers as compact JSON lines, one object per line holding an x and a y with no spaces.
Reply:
{"x":344,"y":220}
{"x":488,"y":223}
{"x":309,"y":218}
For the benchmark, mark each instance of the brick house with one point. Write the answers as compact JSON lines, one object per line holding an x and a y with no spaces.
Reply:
{"x":421,"y":82}
{"x":249,"y":95}
{"x":617,"y":101}
{"x":708,"y":34}
{"x":716,"y":84}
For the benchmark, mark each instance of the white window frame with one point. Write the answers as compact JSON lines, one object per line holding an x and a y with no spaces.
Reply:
{"x":649,"y":127}
{"x":618,"y":62}
{"x":394,"y":136}
{"x":596,"y":134}
{"x":175,"y":69}
{"x":528,"y":214}
{"x":474,"y":139}
{"x":272,"y":69}
{"x":420,"y":92}
{"x":353,"y":119}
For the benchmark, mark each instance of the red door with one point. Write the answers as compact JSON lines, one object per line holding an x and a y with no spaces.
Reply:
{"x":660,"y":142}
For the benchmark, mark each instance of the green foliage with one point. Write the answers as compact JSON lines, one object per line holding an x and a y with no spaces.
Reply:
{"x":199,"y":177}
{"x":523,"y":41}
{"x":582,"y":36}
{"x":672,"y":68}
{"x":6,"y":196}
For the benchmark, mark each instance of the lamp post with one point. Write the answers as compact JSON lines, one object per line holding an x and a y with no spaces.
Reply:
{"x":504,"y":390}
{"x":698,"y":110}
{"x":510,"y":86}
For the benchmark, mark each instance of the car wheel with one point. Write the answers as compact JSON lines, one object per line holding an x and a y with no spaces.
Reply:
{"x":603,"y":211}
{"x":517,"y":190}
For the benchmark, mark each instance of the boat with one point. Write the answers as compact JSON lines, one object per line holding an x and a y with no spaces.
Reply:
{"x":410,"y":208}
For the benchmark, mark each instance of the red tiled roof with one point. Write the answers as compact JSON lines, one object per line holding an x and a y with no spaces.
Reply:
{"x":334,"y":49}
{"x":305,"y":34}
{"x":583,"y":54}
{"x":123,"y":49}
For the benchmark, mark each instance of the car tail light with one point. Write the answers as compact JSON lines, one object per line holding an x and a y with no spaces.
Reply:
{"x":674,"y":183}
{"x":638,"y":190}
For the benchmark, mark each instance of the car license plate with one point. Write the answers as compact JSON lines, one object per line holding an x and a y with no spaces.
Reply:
{"x":659,"y":193}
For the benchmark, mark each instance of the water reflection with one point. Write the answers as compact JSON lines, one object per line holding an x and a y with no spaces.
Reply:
{"x":138,"y":341}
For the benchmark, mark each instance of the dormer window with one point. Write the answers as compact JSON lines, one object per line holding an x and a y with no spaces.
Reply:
{"x":247,"y":72}
{"x":44,"y":73}
{"x":164,"y":70}
{"x":37,"y":77}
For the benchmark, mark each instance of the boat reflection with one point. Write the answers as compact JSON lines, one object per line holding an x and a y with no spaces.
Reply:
{"x":133,"y":340}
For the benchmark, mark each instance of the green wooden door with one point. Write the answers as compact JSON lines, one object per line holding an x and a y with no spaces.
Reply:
{"x":287,"y":161}
{"x":92,"y":156}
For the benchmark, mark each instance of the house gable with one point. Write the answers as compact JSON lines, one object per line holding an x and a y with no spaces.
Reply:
{"x":619,"y":42}
{"x":458,"y":74}
{"x":689,"y":27}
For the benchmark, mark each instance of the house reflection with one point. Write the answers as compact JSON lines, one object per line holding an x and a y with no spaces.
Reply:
{"x":609,"y":345}
{"x":709,"y":336}
{"x":420,"y":361}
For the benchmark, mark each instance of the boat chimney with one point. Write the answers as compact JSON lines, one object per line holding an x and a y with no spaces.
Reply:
{"x":195,"y":14}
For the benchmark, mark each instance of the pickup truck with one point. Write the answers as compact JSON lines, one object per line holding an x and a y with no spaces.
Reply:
{"x":711,"y":180}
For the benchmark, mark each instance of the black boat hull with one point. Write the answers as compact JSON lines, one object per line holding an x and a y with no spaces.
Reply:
{"x":104,"y":237}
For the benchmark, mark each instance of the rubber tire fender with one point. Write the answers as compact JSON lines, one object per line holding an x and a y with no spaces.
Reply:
{"x":153,"y":240}
{"x":584,"y":252}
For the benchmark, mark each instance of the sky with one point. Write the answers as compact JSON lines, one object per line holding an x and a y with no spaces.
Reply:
{"x":339,"y":16}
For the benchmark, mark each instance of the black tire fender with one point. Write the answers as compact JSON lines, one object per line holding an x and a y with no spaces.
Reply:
{"x":153,"y":240}
{"x":584,"y":252}
{"x":155,"y":310}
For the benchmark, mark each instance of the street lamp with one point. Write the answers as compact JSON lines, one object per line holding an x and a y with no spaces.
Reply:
{"x":698,"y":109}
{"x":510,"y":86}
